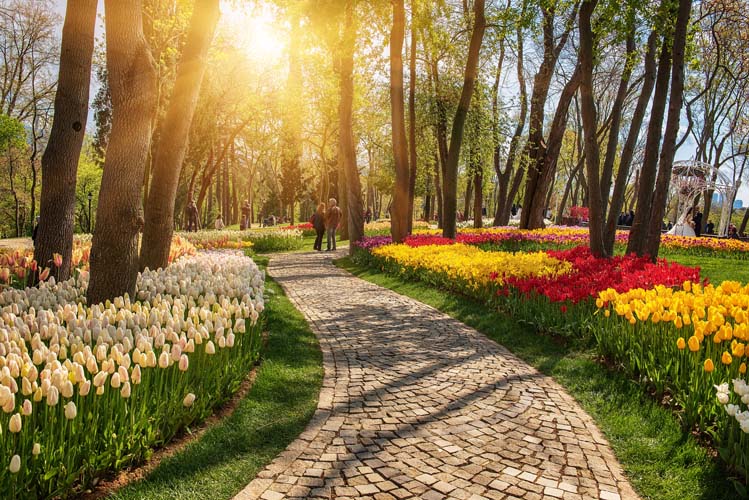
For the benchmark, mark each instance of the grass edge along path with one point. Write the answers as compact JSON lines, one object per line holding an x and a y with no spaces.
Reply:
{"x":277,"y":408}
{"x":660,"y":460}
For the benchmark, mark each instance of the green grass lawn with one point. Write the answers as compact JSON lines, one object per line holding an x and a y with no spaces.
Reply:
{"x":716,"y":269}
{"x":661,"y":460}
{"x":277,"y":408}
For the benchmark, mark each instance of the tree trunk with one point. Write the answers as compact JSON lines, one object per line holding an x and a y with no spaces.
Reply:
{"x":346,"y":146}
{"x":535,"y":200}
{"x":590,"y":126}
{"x":639,"y":231}
{"x":467,"y":197}
{"x":438,"y":189}
{"x":60,"y":158}
{"x":478,"y":199}
{"x":169,"y":157}
{"x":412,"y":161}
{"x":399,"y":210}
{"x":628,"y":151}
{"x":132,"y":80}
{"x":616,"y":119}
{"x":675,"y":102}
{"x":450,"y":181}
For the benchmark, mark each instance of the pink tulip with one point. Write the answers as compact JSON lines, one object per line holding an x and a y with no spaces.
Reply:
{"x":44,"y":274}
{"x":57,"y":259}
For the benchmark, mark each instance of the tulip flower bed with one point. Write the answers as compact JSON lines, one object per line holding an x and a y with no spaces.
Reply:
{"x":563,"y":237}
{"x":275,"y":240}
{"x":306,"y":228}
{"x":666,"y":328}
{"x":687,"y":342}
{"x":215,"y":240}
{"x":86,"y":389}
{"x":18,"y":266}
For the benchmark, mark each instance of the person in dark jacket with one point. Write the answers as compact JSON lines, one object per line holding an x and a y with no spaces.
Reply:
{"x":318,"y":223}
{"x":332,"y":220}
{"x":697,"y":220}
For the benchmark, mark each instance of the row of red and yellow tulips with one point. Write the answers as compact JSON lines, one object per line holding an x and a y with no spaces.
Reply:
{"x":657,"y":320}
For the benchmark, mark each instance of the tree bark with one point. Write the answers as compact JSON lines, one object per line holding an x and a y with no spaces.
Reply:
{"x":549,"y":153}
{"x":132,"y":80}
{"x":170,"y":154}
{"x":628,"y":151}
{"x":478,"y":199}
{"x":616,"y":118}
{"x":412,"y":161}
{"x":590,"y":126}
{"x":450,"y":181}
{"x":675,"y":102}
{"x":399,"y":210}
{"x":60,"y":158}
{"x":347,"y":148}
{"x":639,"y":231}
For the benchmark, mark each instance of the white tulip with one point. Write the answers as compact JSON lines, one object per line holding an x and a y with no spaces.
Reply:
{"x":189,"y":400}
{"x":125,"y":391}
{"x":15,"y":464}
{"x":15,"y":425}
{"x":70,"y":410}
{"x":36,"y":449}
{"x":210,"y":348}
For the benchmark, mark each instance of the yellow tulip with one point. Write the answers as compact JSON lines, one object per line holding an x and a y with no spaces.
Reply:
{"x":742,"y":368}
{"x":680,"y":343}
{"x":15,"y":425}
{"x":726,"y":359}
{"x":709,"y":366}
{"x":694,"y":344}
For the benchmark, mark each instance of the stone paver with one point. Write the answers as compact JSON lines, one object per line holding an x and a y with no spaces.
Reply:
{"x":415,"y":404}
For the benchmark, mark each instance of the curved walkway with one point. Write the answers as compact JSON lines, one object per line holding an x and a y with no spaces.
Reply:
{"x":417,"y":405}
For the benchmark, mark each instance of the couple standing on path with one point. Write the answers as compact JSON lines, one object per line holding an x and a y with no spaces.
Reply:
{"x":326,"y":220}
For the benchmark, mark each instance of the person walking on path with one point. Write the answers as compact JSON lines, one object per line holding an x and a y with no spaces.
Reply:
{"x":219,"y":224}
{"x":318,"y":223}
{"x":193,"y":217}
{"x":332,"y":219}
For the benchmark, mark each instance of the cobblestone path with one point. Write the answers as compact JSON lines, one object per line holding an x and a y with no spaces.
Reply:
{"x":417,"y":405}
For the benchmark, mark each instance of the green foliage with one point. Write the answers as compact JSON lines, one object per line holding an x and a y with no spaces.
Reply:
{"x":88,"y":181}
{"x":12,"y":133}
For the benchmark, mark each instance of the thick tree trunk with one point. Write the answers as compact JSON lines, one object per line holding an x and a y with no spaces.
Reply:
{"x":346,"y":147}
{"x":170,"y":152}
{"x":628,"y":151}
{"x":675,"y":102}
{"x":450,"y":181}
{"x":412,"y":160}
{"x":60,"y":158}
{"x":399,"y":210}
{"x":616,"y":118}
{"x":132,"y":80}
{"x":535,"y":200}
{"x":639,"y":231}
{"x":438,"y":189}
{"x":590,"y":126}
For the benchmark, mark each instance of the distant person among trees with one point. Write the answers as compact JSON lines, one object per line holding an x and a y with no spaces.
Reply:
{"x":332,"y":219}
{"x":630,"y":219}
{"x":36,"y":229}
{"x":733,"y":233}
{"x":697,"y":223}
{"x":219,"y":224}
{"x":318,"y":223}
{"x":245,"y":222}
{"x":193,"y":218}
{"x":710,"y":227}
{"x":368,"y":216}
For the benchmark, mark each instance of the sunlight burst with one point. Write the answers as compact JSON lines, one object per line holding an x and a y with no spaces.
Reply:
{"x":255,"y":30}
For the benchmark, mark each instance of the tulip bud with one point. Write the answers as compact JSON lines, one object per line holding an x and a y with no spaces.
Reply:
{"x":36,"y":449}
{"x":67,"y":389}
{"x":164,"y":360}
{"x":70,"y":410}
{"x":125,"y":391}
{"x":85,"y":388}
{"x":115,"y":380}
{"x":189,"y":400}
{"x":210,"y":348}
{"x":135,"y":375}
{"x":15,"y":464}
{"x":26,"y":409}
{"x":52,"y":396}
{"x":15,"y":423}
{"x":100,"y":390}
{"x":183,"y":363}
